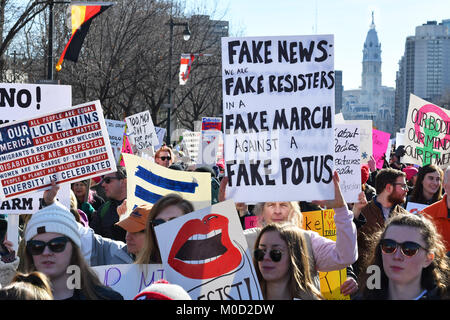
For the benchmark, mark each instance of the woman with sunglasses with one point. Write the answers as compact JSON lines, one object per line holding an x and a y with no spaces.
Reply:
{"x":411,"y":262}
{"x":167,"y":208}
{"x":52,"y":246}
{"x":164,"y":156}
{"x":428,"y":187}
{"x":282,"y":263}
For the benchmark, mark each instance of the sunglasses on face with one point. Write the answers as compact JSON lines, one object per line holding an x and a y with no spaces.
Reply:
{"x":408,"y":248}
{"x":56,"y":245}
{"x":108,"y":180}
{"x":274,"y":254}
{"x":163,"y":158}
{"x":157,"y":222}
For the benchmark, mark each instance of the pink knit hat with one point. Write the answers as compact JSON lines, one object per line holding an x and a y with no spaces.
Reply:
{"x":410,"y":172}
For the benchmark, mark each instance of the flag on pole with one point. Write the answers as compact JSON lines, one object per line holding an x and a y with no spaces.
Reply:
{"x":82,"y":15}
{"x":185,"y":67}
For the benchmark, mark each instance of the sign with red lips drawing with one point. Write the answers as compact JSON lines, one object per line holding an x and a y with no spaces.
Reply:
{"x":206,"y":253}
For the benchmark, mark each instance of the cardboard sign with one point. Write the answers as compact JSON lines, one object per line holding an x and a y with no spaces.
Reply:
{"x":322,"y":222}
{"x":209,"y":123}
{"x":347,"y":160}
{"x":116,"y":129}
{"x":141,"y":131}
{"x":33,"y":202}
{"x":210,"y":153}
{"x":278,"y":113}
{"x":414,"y":207}
{"x":366,"y":144}
{"x":206,"y":253}
{"x":126,"y":148}
{"x":147,"y":182}
{"x":67,"y":146}
{"x":20,"y":101}
{"x":160,"y":133}
{"x":129,"y":279}
{"x":380,"y":144}
{"x":427,"y":134}
{"x":192,"y":144}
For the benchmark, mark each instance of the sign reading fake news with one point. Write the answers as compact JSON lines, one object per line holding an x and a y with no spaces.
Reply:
{"x":68,"y":146}
{"x":278,"y":114}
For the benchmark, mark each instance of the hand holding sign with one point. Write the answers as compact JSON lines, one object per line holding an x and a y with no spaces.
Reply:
{"x":338,"y":201}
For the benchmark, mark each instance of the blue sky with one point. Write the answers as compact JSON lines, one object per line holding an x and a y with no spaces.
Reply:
{"x":348,"y":20}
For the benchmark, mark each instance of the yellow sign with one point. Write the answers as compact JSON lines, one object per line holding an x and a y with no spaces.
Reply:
{"x":322,"y":222}
{"x":147,"y":182}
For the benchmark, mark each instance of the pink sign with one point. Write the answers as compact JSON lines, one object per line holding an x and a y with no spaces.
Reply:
{"x":251,"y":222}
{"x":126,"y":148}
{"x":380,"y":142}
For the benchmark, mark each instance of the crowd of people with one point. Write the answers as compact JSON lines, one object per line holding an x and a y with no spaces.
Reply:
{"x":410,"y":251}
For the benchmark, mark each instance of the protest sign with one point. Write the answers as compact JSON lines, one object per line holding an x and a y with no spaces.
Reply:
{"x":33,"y":202}
{"x":209,"y":123}
{"x":347,"y":160}
{"x":209,"y":152}
{"x":427,"y":134}
{"x":116,"y":129}
{"x":192,"y":142}
{"x":160,"y":133}
{"x":339,"y":118}
{"x":278,"y":111}
{"x":129,"y":279}
{"x":147,"y":182}
{"x":380,"y":144}
{"x":251,"y":222}
{"x":126,"y":148}
{"x":414,"y":207}
{"x":399,"y":139}
{"x":141,"y":131}
{"x":365,"y":134}
{"x":20,"y":101}
{"x":206,"y":253}
{"x":322,"y":222}
{"x":68,"y":146}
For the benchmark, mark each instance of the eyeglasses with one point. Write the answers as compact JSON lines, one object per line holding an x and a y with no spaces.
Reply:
{"x":56,"y":245}
{"x":404,"y":186}
{"x":408,"y":248}
{"x":163,"y":158}
{"x":274,"y":254}
{"x":107,"y":180}
{"x":157,"y":222}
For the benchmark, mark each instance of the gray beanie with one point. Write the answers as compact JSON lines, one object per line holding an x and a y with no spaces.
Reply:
{"x":54,"y":218}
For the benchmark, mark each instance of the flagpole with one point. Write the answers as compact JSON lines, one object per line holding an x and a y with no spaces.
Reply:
{"x":50,"y":42}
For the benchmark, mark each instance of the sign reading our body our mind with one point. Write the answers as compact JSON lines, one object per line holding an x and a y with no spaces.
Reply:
{"x":206,"y":253}
{"x":278,"y":110}
{"x":67,"y":146}
{"x":427,"y":134}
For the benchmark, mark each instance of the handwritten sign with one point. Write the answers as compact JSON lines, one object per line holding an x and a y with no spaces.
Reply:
{"x":380,"y":144}
{"x":129,"y":279}
{"x":206,"y":253}
{"x":147,"y":182}
{"x":322,"y":222}
{"x":347,"y":160}
{"x":209,"y":123}
{"x":67,"y":146}
{"x":192,"y":144}
{"x":365,"y":134}
{"x":141,"y":131}
{"x":427,"y":134}
{"x":278,"y":111}
{"x":20,"y":101}
{"x":116,"y":129}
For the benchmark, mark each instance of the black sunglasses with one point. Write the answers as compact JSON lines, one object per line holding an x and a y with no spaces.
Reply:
{"x":37,"y":247}
{"x":274,"y":254}
{"x":163,"y":158}
{"x":408,"y":248}
{"x":157,"y":222}
{"x":107,"y":180}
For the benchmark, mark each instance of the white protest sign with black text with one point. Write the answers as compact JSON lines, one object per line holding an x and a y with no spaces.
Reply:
{"x":116,"y":129}
{"x":141,"y":131}
{"x":347,"y":160}
{"x":278,"y":113}
{"x":20,"y":101}
{"x":206,"y":253}
{"x":67,"y":146}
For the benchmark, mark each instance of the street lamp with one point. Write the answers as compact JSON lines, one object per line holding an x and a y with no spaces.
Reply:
{"x":186,"y":37}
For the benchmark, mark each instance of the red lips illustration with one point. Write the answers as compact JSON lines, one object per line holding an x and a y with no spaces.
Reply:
{"x":202,"y":248}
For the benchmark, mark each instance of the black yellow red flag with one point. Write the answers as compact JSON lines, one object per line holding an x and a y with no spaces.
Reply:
{"x":82,"y":15}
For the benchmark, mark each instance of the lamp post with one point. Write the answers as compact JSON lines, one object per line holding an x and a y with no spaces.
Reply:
{"x":186,"y":37}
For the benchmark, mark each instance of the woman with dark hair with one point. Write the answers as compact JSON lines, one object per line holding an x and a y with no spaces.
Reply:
{"x":282,"y":263}
{"x":428,"y":187}
{"x":167,"y":208}
{"x":410,"y":260}
{"x":52,"y":246}
{"x":32,"y":286}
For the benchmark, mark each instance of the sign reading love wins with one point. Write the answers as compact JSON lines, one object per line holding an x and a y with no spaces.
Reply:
{"x":427,"y":134}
